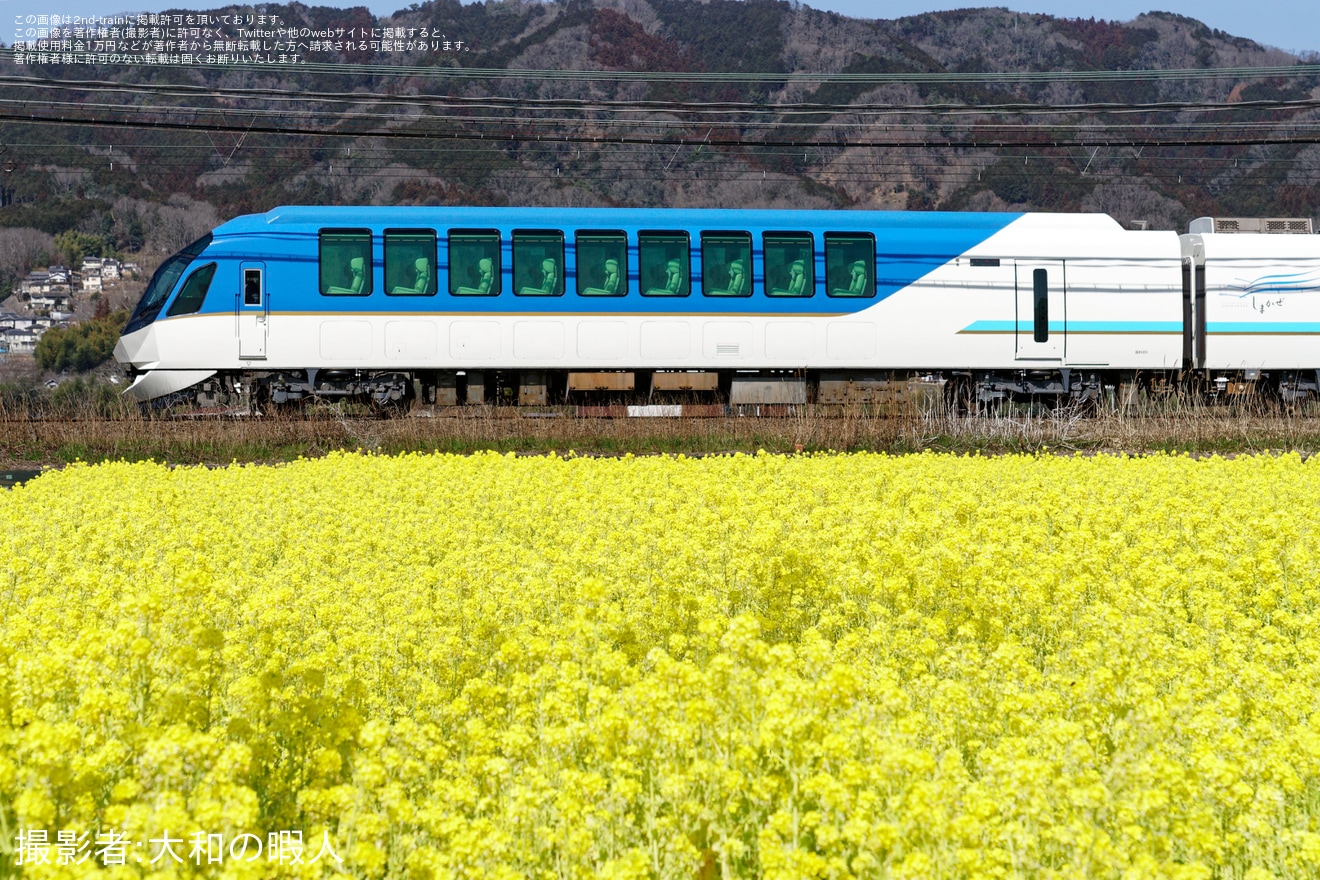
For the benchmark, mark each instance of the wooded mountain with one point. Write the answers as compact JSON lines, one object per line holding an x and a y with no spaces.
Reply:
{"x":672,"y":103}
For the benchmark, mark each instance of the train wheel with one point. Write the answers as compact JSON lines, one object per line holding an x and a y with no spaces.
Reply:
{"x":393,"y":407}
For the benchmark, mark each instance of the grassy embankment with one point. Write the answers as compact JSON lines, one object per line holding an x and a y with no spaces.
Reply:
{"x":56,"y":437}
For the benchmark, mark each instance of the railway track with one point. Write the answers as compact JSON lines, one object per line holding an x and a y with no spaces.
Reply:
{"x":607,"y":412}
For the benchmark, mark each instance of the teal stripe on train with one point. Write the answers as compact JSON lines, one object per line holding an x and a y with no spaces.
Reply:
{"x":1253,"y":328}
{"x":1174,"y":327}
{"x":1262,"y":328}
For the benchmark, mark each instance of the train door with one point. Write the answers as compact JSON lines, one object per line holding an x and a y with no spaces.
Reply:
{"x":1041,"y":314}
{"x":253,"y":311}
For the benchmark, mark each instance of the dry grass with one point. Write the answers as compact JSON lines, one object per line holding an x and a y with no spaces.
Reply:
{"x":46,"y":441}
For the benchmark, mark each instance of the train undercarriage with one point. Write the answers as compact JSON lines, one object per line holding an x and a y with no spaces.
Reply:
{"x":750,"y":392}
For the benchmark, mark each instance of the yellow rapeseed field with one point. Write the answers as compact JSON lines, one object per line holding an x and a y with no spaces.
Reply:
{"x":741,"y":666}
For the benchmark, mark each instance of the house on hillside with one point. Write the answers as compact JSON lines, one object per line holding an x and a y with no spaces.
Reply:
{"x":54,"y":300}
{"x":37,"y":281}
{"x":19,"y":341}
{"x":91,"y":273}
{"x":61,"y":277}
{"x":56,"y":281}
{"x":12,"y":321}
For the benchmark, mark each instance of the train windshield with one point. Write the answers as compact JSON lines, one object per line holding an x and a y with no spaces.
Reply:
{"x":163,"y":282}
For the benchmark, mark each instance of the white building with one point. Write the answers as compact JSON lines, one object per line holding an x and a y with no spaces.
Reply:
{"x":36,"y":281}
{"x":19,"y":341}
{"x":57,"y":300}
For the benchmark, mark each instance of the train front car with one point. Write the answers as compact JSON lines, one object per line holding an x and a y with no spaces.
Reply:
{"x":750,"y":307}
{"x":199,"y":334}
{"x":145,"y":348}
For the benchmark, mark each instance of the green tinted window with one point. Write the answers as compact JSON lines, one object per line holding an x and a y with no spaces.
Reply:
{"x":602,"y":263}
{"x":666,"y":263}
{"x":790,"y":258}
{"x":474,"y":262}
{"x":194,"y":290}
{"x":538,"y":263}
{"x":410,"y":261}
{"x":346,"y":262}
{"x":850,"y":264}
{"x":726,"y":264}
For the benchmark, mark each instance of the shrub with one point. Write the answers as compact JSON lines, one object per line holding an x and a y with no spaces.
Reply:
{"x":80,"y":347}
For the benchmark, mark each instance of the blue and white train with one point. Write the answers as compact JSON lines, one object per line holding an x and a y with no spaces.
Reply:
{"x":758,"y":306}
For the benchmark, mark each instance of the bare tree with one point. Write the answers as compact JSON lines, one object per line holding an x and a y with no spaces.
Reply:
{"x":179,"y":222}
{"x":21,"y":249}
{"x":1136,"y":200}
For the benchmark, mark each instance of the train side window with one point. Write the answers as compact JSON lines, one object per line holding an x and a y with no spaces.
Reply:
{"x":790,"y":260}
{"x":666,"y":263}
{"x":850,"y":264}
{"x":1040,"y":324}
{"x":602,"y":263}
{"x":193,"y":293}
{"x":726,"y":263}
{"x":345,"y":262}
{"x":410,"y":262}
{"x":474,"y":262}
{"x":538,"y":262}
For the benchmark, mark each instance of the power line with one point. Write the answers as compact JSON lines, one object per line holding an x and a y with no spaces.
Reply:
{"x":733,"y":134}
{"x":644,"y":158}
{"x":1031,"y":139}
{"x":751,"y":78}
{"x":461,"y":149}
{"x":214,"y":118}
{"x":596,"y":105}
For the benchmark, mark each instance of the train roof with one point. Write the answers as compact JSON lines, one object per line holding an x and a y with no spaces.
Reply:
{"x":1281,"y":247}
{"x":659,"y":218}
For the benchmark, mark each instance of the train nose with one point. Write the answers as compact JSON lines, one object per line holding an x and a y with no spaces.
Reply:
{"x":137,"y":349}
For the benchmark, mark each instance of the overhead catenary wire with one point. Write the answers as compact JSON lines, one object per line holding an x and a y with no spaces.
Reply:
{"x":207,"y":118}
{"x":1026,"y":138}
{"x":748,"y":137}
{"x":452,"y":70}
{"x":797,"y":125}
{"x":643,"y":161}
{"x":785,"y":109}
